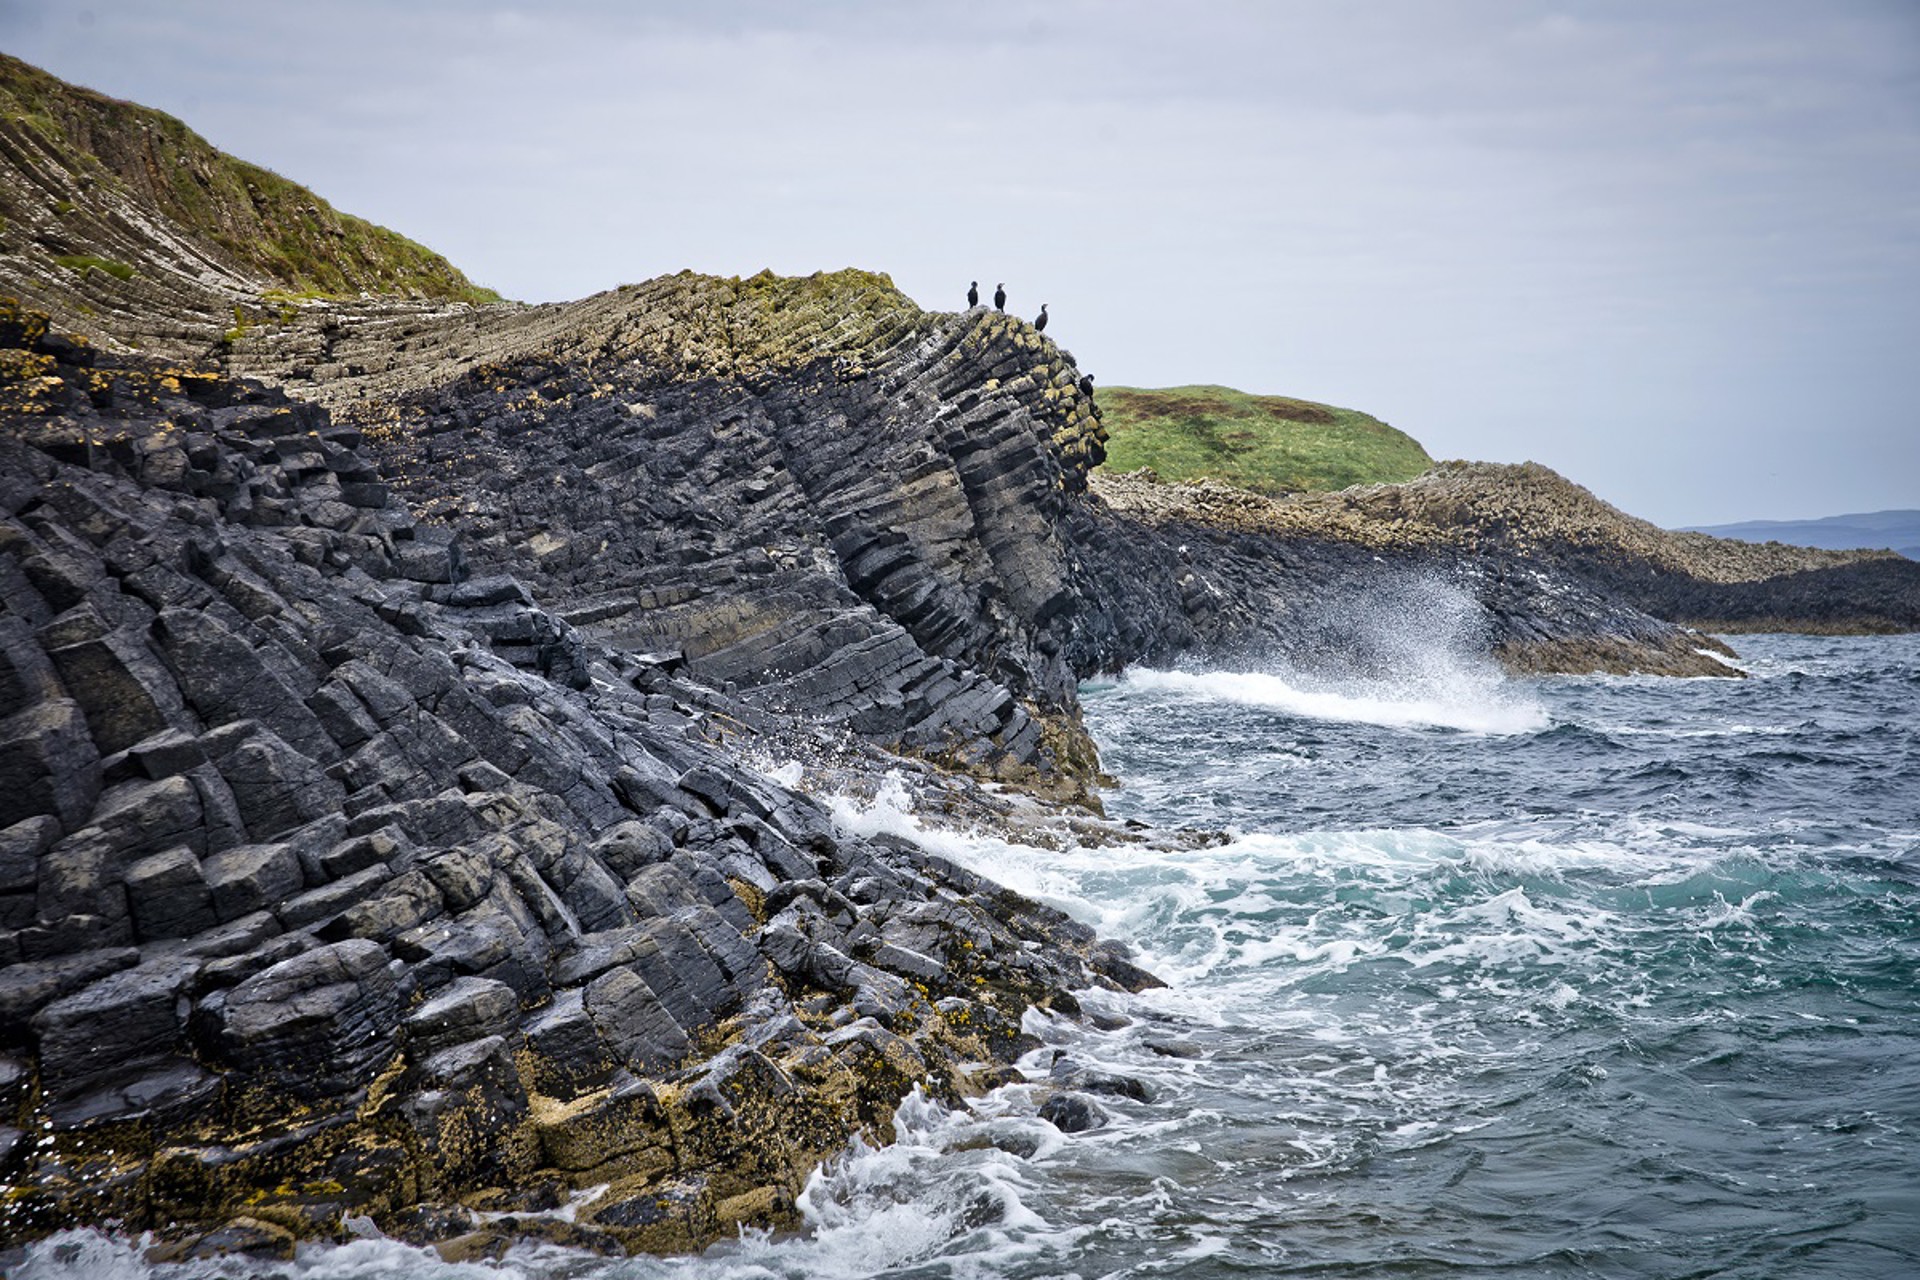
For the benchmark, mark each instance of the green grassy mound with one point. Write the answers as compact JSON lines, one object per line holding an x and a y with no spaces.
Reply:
{"x":101,"y":165}
{"x":1267,"y":444}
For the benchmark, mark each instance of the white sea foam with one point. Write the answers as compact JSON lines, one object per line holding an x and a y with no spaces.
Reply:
{"x":93,"y":1255}
{"x":1471,"y":706}
{"x":83,"y":1255}
{"x":1406,"y":652}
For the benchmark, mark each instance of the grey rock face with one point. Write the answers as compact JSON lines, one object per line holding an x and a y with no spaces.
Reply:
{"x":408,"y":765}
{"x":320,"y":1021}
{"x":333,"y":857}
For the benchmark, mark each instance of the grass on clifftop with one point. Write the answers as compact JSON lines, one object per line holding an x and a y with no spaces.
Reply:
{"x":1267,"y":444}
{"x":114,"y":151}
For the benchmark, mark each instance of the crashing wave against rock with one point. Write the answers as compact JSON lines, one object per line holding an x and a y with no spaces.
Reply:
{"x":397,"y":727}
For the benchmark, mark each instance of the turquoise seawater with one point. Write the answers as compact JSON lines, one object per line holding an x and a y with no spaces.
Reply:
{"x":1581,"y":977}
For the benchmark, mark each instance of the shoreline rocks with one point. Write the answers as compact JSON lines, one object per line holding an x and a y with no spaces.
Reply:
{"x":331,"y":891}
{"x":395,"y":825}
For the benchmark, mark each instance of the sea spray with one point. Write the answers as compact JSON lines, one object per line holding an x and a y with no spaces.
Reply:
{"x":1629,"y":995}
{"x":1463,"y":702}
{"x":1409,"y":652}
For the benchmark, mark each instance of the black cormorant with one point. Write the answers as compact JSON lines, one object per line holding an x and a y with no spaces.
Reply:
{"x":1040,"y":321}
{"x":1086,"y":385}
{"x":999,"y":297}
{"x":973,"y":294}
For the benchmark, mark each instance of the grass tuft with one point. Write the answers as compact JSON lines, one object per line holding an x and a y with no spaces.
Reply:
{"x":85,"y":262}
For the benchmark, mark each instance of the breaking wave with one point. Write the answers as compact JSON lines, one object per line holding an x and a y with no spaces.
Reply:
{"x":1464,"y":699}
{"x":1405,"y":653}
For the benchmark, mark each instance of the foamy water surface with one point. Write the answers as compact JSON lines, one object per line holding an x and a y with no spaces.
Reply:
{"x":1574,"y":977}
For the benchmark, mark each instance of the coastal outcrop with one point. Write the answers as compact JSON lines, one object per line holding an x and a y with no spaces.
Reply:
{"x":416,"y":712}
{"x":337,"y":877}
{"x":432,"y":764}
{"x":122,"y":223}
{"x":1513,"y":524}
{"x":818,"y":492}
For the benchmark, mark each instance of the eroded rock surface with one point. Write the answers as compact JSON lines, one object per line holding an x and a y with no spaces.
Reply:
{"x":338,"y":876}
{"x":387,"y":816}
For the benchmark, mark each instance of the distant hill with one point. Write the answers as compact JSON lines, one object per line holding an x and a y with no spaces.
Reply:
{"x":125,"y":224}
{"x":1897,"y":530}
{"x":1266,"y":444}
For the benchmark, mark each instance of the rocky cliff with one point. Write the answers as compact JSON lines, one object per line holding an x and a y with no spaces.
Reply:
{"x":416,"y":759}
{"x":121,"y":222}
{"x":335,"y":877}
{"x":413,"y":718}
{"x":1571,"y":583}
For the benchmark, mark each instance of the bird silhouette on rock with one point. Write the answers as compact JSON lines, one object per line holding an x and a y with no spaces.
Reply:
{"x":999,"y":297}
{"x":1040,"y":321}
{"x":973,"y":294}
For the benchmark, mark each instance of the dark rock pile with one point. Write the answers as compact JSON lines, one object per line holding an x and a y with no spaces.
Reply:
{"x":811,"y":490}
{"x":385,"y":817}
{"x":337,"y":876}
{"x":872,"y":515}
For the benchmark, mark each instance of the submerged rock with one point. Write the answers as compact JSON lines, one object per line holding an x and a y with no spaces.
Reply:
{"x":1073,"y":1112}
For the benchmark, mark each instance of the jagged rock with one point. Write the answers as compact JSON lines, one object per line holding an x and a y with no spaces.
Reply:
{"x":120,"y":687}
{"x":403,"y":903}
{"x":48,"y":765}
{"x":26,"y":988}
{"x":459,"y":821}
{"x":569,"y":1055}
{"x":243,"y":1237}
{"x":169,"y":896}
{"x":633,"y":1020}
{"x":224,"y":679}
{"x":251,"y":878}
{"x":112,"y":1028}
{"x":1068,"y":1073}
{"x":469,"y":1009}
{"x":321,"y":1022}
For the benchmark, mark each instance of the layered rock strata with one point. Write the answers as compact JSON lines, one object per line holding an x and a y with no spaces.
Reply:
{"x":337,"y":877}
{"x":125,"y":224}
{"x":389,"y":820}
{"x":875,"y":515}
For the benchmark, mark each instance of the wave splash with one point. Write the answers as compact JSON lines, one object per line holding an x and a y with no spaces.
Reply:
{"x":1408,"y":654}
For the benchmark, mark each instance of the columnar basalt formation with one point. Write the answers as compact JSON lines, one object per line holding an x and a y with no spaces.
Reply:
{"x":879,"y":516}
{"x":336,"y":876}
{"x":409,"y":763}
{"x":396,"y":697}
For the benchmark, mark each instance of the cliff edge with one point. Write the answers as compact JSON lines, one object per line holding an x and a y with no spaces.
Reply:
{"x":122,"y":223}
{"x":414,"y":715}
{"x":336,"y":877}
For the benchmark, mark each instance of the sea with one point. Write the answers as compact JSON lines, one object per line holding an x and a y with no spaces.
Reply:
{"x":1587,"y":976}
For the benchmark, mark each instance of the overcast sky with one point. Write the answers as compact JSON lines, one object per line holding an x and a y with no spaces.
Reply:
{"x":1670,"y":249}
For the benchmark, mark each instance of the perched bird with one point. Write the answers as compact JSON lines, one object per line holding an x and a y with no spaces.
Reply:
{"x":1040,"y":322}
{"x":1086,"y":385}
{"x":999,"y":297}
{"x":973,"y":294}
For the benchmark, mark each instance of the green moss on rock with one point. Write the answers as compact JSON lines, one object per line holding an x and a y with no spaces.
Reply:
{"x":85,"y":262}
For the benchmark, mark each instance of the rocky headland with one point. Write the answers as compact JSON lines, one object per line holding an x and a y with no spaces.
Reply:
{"x":416,"y":712}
